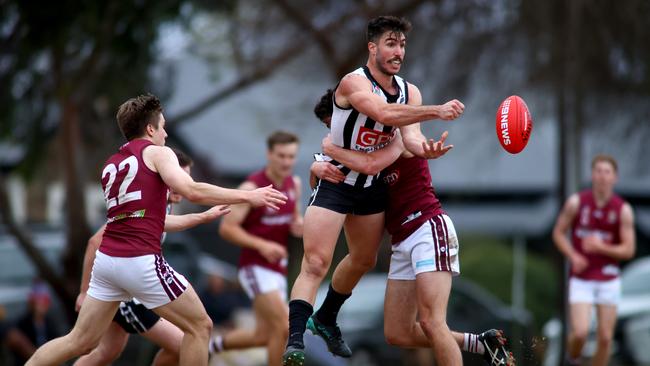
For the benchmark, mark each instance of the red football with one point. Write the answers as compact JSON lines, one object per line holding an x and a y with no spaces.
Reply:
{"x":514,"y":124}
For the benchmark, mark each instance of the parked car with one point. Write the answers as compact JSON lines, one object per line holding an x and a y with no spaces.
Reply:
{"x":471,"y":308}
{"x":631,"y":344}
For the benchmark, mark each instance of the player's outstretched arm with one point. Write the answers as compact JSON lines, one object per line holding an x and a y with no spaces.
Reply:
{"x":89,"y":258}
{"x":164,"y":162}
{"x":413,"y":138}
{"x":356,"y":90}
{"x":175,"y":223}
{"x":620,"y":251}
{"x":366,"y":163}
{"x":231,"y":229}
{"x":562,"y":226}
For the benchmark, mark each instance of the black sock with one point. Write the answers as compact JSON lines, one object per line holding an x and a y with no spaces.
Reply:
{"x":330,"y":309}
{"x":299,"y":313}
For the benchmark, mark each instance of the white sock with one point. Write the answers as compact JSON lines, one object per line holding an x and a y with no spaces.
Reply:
{"x":472,"y":344}
{"x":216,"y":344}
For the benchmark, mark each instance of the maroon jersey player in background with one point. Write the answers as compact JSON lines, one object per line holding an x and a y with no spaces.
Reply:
{"x":129,"y":261}
{"x":264,"y":235}
{"x":602,"y":235}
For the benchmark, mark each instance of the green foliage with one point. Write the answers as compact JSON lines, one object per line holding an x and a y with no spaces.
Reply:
{"x":85,"y":53}
{"x":488,"y":261}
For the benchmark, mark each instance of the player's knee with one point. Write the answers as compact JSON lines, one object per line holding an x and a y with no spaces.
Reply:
{"x":316,"y":266}
{"x":605,"y":338}
{"x":364,"y":263}
{"x":202,"y":327}
{"x":433,"y":326}
{"x":580,"y":335}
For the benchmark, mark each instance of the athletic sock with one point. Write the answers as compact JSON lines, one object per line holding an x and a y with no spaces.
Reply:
{"x":299,"y":313}
{"x":216,"y":344}
{"x":472,"y":344}
{"x":330,"y":309}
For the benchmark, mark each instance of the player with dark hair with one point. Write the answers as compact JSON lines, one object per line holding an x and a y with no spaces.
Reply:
{"x":370,"y":103}
{"x":264,"y":236}
{"x":129,"y":262}
{"x":602,"y":234}
{"x":425,"y":252}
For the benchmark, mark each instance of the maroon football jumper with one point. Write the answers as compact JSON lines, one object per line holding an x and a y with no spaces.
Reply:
{"x":601,"y":221}
{"x":412,"y":200}
{"x":269,"y":224}
{"x":136,"y":200}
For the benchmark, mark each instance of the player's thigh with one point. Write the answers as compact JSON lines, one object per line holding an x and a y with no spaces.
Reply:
{"x":364,"y":233}
{"x":186,"y":312}
{"x":433,"y":290}
{"x":95,"y":316}
{"x":165,"y":335}
{"x":400,"y":306}
{"x":272,"y":310}
{"x":321,"y":230}
{"x":579,"y":318}
{"x":606,"y":320}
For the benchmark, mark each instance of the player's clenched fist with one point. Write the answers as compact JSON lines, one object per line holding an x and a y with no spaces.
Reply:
{"x":451,"y":110}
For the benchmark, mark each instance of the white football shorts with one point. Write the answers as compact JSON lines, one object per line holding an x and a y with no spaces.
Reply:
{"x":432,"y":247}
{"x":148,"y":278}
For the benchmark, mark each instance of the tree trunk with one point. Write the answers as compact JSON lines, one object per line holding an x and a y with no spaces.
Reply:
{"x":78,"y":231}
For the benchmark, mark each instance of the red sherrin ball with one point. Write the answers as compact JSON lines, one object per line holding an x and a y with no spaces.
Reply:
{"x":514,"y":124}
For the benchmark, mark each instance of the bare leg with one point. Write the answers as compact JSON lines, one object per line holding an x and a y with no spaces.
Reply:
{"x":94,"y":318}
{"x":433,"y":294}
{"x":109,"y":349}
{"x":320,"y":233}
{"x":363,"y":234}
{"x":606,"y":322}
{"x":580,"y":314}
{"x":272,"y":316}
{"x":169,"y":338}
{"x":188,"y":314}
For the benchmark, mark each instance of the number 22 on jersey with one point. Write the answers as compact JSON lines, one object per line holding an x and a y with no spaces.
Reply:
{"x":122,"y":195}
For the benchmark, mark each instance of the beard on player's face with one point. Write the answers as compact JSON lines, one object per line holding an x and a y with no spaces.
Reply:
{"x":386,"y":65}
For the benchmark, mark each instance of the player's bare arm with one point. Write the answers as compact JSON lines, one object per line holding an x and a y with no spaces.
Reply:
{"x":297,"y":222}
{"x":366,"y":163}
{"x":560,"y":230}
{"x":89,"y":258}
{"x":175,"y":223}
{"x":620,"y":251}
{"x":356,"y":90}
{"x":414,"y":139}
{"x":231,"y":229}
{"x":162,"y":159}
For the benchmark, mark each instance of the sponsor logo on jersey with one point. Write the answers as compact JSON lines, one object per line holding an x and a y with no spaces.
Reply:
{"x":611,"y":217}
{"x":371,"y":138}
{"x":274,"y":220}
{"x":392,"y":177}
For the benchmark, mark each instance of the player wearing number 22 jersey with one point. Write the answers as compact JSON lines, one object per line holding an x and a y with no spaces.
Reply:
{"x":136,"y":219}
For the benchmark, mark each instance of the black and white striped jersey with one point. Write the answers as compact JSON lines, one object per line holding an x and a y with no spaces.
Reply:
{"x":353,"y":130}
